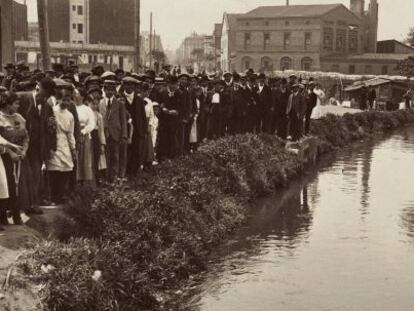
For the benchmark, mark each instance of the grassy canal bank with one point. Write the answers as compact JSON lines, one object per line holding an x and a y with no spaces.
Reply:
{"x":134,"y":245}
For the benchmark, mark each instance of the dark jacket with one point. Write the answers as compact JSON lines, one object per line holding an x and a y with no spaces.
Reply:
{"x":136,"y":111}
{"x":114,"y":119}
{"x":242,"y":100}
{"x":297,"y":105}
{"x":281,"y":100}
{"x":264,"y":98}
{"x":40,"y":126}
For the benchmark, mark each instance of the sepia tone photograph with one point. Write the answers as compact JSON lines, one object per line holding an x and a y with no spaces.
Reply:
{"x":206,"y":155}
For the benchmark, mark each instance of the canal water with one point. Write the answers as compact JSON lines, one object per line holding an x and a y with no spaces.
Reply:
{"x":342,"y":238}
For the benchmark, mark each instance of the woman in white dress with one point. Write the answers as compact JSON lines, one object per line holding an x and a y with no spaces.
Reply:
{"x":87,"y":122}
{"x":62,"y":163}
{"x":320,"y":110}
{"x":152,"y":121}
{"x":4,"y":189}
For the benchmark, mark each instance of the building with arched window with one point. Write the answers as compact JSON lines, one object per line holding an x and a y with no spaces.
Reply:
{"x":266,"y":64}
{"x":286,"y":63}
{"x":247,"y":63}
{"x":297,"y":37}
{"x":306,"y":64}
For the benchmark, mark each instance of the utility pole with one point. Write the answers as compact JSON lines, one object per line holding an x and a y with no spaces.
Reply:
{"x":155,"y":41}
{"x":287,"y":2}
{"x":43,"y":33}
{"x":150,"y":43}
{"x":137,"y":34}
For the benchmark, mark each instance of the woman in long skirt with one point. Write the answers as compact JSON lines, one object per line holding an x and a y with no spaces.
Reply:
{"x":20,"y":187}
{"x":61,"y":164}
{"x":87,"y":122}
{"x":98,"y":140}
{"x":152,"y":121}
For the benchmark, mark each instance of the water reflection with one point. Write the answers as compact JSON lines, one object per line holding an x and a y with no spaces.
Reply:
{"x":365,"y":189}
{"x":341,"y":239}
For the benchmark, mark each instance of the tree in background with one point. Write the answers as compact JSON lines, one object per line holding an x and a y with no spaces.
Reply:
{"x":410,"y":37}
{"x":406,"y":67}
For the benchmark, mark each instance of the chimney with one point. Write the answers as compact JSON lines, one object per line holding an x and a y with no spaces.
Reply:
{"x":358,"y":7}
{"x":372,"y":26}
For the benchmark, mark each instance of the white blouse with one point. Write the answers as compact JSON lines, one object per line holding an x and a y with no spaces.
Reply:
{"x":4,"y":190}
{"x":87,"y":119}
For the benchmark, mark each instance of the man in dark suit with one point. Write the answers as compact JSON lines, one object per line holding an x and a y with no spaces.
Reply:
{"x":311,"y":101}
{"x":264,"y":102}
{"x":135,"y":106}
{"x":281,"y":99}
{"x":186,"y":100}
{"x":227,"y":97}
{"x":241,"y":106}
{"x":296,"y":111}
{"x":169,"y":121}
{"x":252,"y":114}
{"x":41,"y":126}
{"x":372,"y":97}
{"x":115,"y":124}
{"x":205,"y":108}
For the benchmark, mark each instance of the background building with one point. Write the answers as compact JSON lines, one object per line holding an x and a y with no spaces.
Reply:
{"x":20,"y":25}
{"x":33,"y":31}
{"x":156,"y":47}
{"x":92,"y":21}
{"x":13,"y":26}
{"x":185,"y":53}
{"x":88,"y":33}
{"x":111,"y":22}
{"x":218,"y":29}
{"x":58,"y":19}
{"x":394,"y":46}
{"x":198,"y":51}
{"x":300,"y":37}
{"x":84,"y":55}
{"x":6,"y":37}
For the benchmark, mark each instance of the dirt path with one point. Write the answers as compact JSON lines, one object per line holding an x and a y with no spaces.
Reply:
{"x":12,"y":245}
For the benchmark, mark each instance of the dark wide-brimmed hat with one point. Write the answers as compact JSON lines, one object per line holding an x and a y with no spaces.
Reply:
{"x":171,"y":79}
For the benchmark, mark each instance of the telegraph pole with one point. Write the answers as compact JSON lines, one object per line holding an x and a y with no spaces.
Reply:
{"x":150,"y":43}
{"x":43,"y":33}
{"x":137,"y":34}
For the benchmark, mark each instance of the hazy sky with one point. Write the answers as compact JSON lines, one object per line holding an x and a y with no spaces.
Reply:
{"x":174,"y":19}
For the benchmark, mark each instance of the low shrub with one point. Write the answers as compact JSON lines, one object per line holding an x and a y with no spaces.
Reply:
{"x":148,"y":235}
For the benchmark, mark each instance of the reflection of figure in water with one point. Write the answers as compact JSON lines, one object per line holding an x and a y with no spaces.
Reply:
{"x":366,"y":170}
{"x":305,"y":205}
{"x":294,"y":220}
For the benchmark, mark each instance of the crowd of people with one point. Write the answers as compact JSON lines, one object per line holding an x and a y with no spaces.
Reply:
{"x":62,"y":128}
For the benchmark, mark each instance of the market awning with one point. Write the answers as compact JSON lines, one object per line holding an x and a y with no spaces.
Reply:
{"x":360,"y":84}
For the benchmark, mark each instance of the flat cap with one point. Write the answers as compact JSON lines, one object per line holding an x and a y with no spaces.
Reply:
{"x":130,"y":80}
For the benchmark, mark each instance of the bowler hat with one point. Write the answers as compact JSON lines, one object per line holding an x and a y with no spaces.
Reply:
{"x":172,"y":79}
{"x":184,"y":75}
{"x":9,"y":66}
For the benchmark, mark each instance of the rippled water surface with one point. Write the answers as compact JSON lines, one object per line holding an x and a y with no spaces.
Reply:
{"x":341,"y":239}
